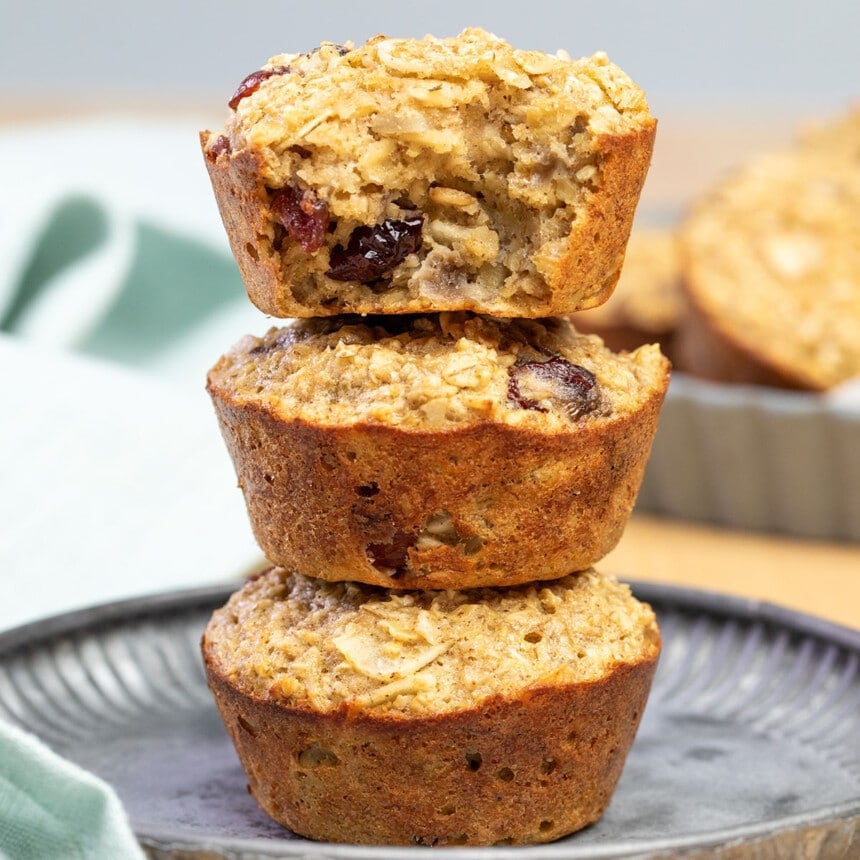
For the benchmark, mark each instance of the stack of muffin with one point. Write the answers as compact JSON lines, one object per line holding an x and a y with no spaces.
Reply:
{"x":432,"y":457}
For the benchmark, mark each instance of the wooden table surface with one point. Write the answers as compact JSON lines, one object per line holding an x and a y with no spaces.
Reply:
{"x":816,"y":577}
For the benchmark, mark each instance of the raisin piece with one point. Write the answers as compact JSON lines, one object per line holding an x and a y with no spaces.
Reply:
{"x":514,"y":394}
{"x":251,"y":83}
{"x":372,"y":252}
{"x":221,"y":144}
{"x":304,"y":216}
{"x":391,"y":555}
{"x":576,"y":386}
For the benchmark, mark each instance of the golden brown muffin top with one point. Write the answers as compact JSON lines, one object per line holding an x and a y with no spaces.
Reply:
{"x":434,"y":371}
{"x":372,"y":109}
{"x":322,"y":646}
{"x":772,"y":259}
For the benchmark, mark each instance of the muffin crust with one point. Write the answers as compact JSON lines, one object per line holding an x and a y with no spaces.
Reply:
{"x":771,"y":268}
{"x":396,"y":453}
{"x":524,"y":170}
{"x":511,"y":726}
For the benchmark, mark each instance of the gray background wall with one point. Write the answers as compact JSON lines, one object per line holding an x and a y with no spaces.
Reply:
{"x":758,"y":53}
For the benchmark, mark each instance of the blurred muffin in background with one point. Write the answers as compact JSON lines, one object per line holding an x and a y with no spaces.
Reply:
{"x":647,"y":303}
{"x":770,"y":263}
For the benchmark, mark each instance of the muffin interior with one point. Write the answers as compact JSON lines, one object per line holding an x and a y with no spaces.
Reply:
{"x":431,"y":169}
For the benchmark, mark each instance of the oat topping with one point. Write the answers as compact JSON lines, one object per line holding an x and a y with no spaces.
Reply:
{"x":300,"y":640}
{"x":429,"y":371}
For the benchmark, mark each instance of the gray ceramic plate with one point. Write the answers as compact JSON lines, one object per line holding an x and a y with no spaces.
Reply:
{"x":750,"y":746}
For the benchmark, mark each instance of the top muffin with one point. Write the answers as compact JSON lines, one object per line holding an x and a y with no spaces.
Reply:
{"x":436,"y":174}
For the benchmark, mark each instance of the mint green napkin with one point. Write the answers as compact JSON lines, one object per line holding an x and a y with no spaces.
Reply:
{"x":101,"y":281}
{"x":133,"y":267}
{"x":114,"y":285}
{"x":50,"y":808}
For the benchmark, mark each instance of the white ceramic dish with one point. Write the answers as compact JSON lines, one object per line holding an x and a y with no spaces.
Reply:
{"x":757,"y":458}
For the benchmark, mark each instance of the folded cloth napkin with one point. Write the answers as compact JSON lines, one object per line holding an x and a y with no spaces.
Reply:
{"x":50,"y":808}
{"x":123,"y":289}
{"x":110,"y":247}
{"x":116,"y":250}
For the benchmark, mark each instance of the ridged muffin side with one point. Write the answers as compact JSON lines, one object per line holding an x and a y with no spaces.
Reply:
{"x":495,"y":716}
{"x":447,"y":451}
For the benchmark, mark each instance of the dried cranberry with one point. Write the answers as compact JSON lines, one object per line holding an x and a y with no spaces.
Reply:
{"x":391,"y":555}
{"x":221,"y":144}
{"x":372,"y":252}
{"x":516,"y":397}
{"x":251,"y":83}
{"x":576,"y":386}
{"x":304,"y":216}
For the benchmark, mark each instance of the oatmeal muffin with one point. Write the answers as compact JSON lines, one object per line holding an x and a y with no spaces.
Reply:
{"x":439,"y":451}
{"x":494,"y":716}
{"x":647,"y":303}
{"x":771,"y":269}
{"x":428,"y":175}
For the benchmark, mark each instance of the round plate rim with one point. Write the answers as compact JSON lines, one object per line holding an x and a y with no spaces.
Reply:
{"x":41,"y":632}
